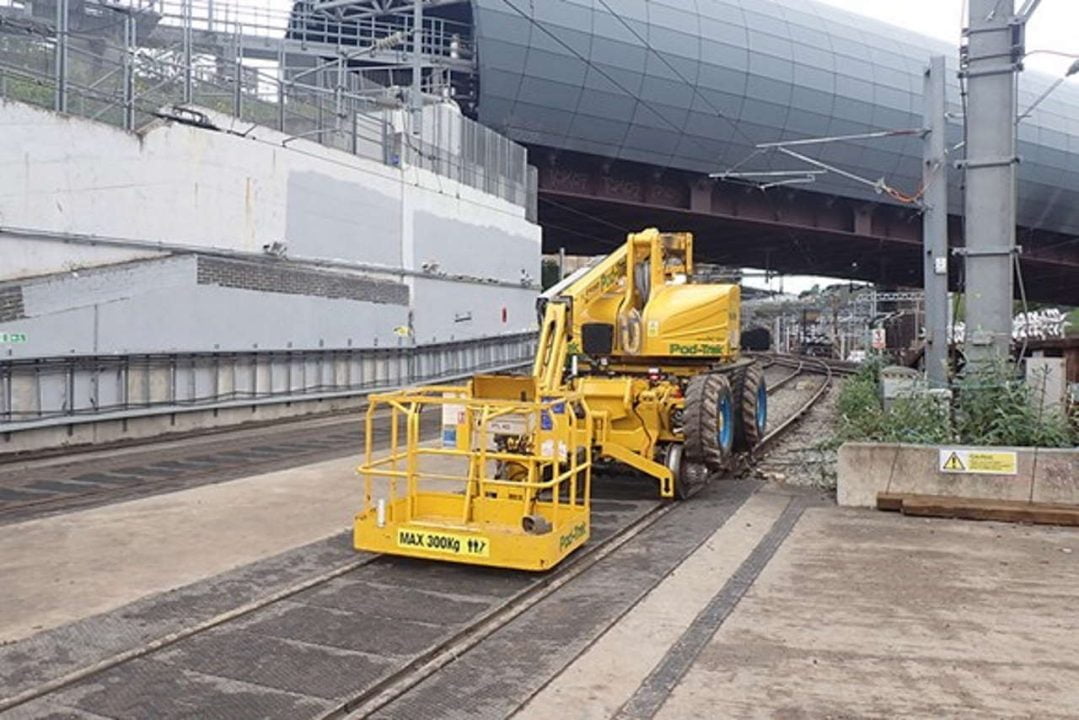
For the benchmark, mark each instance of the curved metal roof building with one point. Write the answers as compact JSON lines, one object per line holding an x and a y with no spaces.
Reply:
{"x":695,"y":84}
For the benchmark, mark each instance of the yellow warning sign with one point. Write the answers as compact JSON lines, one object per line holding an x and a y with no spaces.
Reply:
{"x":1001,"y":463}
{"x":985,"y":462}
{"x":954,"y":463}
{"x":443,"y":542}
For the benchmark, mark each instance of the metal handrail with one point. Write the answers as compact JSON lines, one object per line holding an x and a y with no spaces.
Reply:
{"x":412,"y":365}
{"x":128,"y":84}
{"x":570,"y":469}
{"x":440,"y":37}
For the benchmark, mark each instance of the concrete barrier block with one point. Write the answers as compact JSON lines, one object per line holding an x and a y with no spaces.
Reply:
{"x":1056,"y":476}
{"x":982,"y":487}
{"x":866,"y":469}
{"x":927,"y":479}
{"x":909,"y":466}
{"x":861,"y":473}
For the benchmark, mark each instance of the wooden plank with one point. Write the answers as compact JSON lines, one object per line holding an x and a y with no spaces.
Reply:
{"x":890,"y":502}
{"x":997,"y":510}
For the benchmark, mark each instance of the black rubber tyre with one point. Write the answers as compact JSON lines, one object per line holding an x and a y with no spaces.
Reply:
{"x":749,"y":392}
{"x":708,"y":439}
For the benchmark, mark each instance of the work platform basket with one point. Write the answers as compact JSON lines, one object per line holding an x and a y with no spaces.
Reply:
{"x":506,"y":483}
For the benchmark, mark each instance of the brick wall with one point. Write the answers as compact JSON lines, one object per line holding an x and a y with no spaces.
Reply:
{"x":278,"y":277}
{"x":11,"y":307}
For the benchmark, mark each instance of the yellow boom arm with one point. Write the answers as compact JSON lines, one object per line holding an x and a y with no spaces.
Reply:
{"x":615,"y":291}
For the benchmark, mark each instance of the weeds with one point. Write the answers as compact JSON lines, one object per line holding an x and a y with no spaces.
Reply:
{"x":995,"y":407}
{"x":990,"y":406}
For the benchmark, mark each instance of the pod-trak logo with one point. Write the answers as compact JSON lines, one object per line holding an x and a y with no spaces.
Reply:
{"x":572,"y":536}
{"x":696,"y":349}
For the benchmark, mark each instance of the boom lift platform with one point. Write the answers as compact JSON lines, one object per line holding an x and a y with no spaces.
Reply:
{"x":635,"y":364}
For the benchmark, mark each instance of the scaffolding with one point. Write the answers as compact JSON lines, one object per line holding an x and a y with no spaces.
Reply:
{"x":342,"y":82}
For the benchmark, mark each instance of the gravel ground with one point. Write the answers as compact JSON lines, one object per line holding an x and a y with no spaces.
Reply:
{"x":796,"y":458}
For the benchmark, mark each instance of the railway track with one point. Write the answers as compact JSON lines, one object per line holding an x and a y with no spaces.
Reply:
{"x":363,"y":639}
{"x":396,"y":688}
{"x":38,"y":487}
{"x":90,"y":478}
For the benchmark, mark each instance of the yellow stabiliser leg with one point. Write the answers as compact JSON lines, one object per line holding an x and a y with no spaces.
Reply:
{"x":657,"y":470}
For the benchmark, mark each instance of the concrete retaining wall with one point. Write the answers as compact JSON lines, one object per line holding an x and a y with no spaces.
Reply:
{"x":83,"y":203}
{"x":865,"y":469}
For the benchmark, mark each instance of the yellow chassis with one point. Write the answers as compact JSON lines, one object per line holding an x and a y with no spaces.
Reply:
{"x":510,"y":487}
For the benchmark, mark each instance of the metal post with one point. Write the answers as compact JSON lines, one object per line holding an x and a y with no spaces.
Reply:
{"x":935,"y":226}
{"x":129,"y":71}
{"x":238,"y":89}
{"x":992,"y":62}
{"x":60,"y":99}
{"x":339,"y":93}
{"x":869,"y":326}
{"x":416,"y":96}
{"x":188,"y":94}
{"x":281,"y":88}
{"x":320,"y":120}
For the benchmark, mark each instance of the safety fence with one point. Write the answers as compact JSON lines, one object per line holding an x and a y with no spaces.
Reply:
{"x":130,"y":64}
{"x":56,"y":391}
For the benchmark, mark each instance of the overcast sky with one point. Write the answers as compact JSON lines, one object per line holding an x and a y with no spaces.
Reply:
{"x":1055,"y":26}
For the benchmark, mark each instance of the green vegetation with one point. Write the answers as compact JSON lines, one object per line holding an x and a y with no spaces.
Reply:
{"x":994,"y":408}
{"x":989,"y":407}
{"x":916,"y":419}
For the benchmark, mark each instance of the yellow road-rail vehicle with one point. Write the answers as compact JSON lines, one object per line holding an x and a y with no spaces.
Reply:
{"x":636,"y":364}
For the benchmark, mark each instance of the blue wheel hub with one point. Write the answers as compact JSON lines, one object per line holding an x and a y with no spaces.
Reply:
{"x":762,"y":407}
{"x":726,"y":423}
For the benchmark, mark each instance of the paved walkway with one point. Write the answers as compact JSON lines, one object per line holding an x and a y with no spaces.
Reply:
{"x":103,"y":558}
{"x":858,"y":614}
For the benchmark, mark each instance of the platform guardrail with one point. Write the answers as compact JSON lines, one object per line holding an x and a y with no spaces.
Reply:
{"x":58,"y":391}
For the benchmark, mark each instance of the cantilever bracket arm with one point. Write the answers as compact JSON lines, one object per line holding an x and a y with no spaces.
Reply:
{"x":842,"y":138}
{"x":877,"y":185}
{"x":1027,"y":10}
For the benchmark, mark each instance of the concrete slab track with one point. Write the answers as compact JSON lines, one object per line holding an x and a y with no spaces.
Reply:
{"x":744,"y":602}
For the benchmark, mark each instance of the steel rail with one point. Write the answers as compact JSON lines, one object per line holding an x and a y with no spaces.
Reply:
{"x":768,"y":440}
{"x":783,"y":381}
{"x":399,"y":682}
{"x":165,"y":640}
{"x":135,"y":490}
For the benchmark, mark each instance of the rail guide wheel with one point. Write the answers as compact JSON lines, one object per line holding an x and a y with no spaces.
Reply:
{"x":689,"y":476}
{"x":751,"y":393}
{"x":709,"y":422}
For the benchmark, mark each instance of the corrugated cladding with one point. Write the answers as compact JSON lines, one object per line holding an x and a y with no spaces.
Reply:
{"x":609,"y":77}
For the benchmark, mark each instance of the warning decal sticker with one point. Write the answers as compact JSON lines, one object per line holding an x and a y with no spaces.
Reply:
{"x":954,"y":463}
{"x":984,"y":462}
